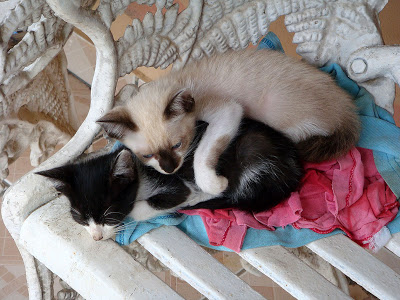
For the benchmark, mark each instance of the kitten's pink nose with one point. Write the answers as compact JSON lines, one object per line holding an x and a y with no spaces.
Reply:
{"x":95,"y":231}
{"x":98,"y":237}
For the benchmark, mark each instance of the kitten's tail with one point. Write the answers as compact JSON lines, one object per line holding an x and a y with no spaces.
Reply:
{"x":322,"y":148}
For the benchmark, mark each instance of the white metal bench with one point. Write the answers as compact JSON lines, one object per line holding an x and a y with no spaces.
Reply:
{"x":51,"y":242}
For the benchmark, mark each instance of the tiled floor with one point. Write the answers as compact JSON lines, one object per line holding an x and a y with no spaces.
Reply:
{"x":81,"y":58}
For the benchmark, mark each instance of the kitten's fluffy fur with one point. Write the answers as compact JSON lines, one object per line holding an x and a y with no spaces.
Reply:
{"x":261,"y":164}
{"x":289,"y":95}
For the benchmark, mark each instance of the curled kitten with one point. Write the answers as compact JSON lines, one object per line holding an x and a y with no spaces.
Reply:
{"x":304,"y":103}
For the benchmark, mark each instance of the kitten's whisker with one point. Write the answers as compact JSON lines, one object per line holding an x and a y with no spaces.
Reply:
{"x":111,"y":220}
{"x":127,"y":224}
{"x":124,"y":226}
{"x":113,"y":212}
{"x":121,"y":229}
{"x":75,"y":211}
{"x":105,"y":213}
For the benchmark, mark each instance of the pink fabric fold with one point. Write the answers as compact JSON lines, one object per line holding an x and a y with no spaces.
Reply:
{"x":347,"y":193}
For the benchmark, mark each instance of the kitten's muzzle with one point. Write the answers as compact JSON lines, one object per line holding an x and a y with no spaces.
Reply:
{"x":98,"y":237}
{"x":168,"y":161}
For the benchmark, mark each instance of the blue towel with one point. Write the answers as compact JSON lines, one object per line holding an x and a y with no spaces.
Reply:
{"x":134,"y":230}
{"x":270,"y":41}
{"x":379,"y":133}
{"x":378,"y":129}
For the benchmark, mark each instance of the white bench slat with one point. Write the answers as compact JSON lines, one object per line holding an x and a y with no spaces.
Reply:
{"x":187,"y":259}
{"x":296,"y":277}
{"x":96,"y":270}
{"x":359,"y":265}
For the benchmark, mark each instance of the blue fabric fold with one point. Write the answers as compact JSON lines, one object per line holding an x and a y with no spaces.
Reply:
{"x":270,"y":41}
{"x":378,"y":129}
{"x":378,"y":133}
{"x":193,"y":226}
{"x":134,"y":230}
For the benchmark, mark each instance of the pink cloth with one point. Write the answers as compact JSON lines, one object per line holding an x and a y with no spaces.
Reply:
{"x":347,"y":193}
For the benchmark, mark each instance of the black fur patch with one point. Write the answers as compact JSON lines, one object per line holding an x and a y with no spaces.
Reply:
{"x":97,"y":186}
{"x":255,"y":145}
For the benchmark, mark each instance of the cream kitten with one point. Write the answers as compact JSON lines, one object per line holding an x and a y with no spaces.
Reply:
{"x":291,"y":96}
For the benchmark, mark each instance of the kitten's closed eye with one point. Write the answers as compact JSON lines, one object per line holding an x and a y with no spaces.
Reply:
{"x":76,"y":215}
{"x":177,"y":146}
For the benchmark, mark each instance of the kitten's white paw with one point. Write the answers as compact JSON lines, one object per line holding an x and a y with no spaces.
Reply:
{"x":209,"y":182}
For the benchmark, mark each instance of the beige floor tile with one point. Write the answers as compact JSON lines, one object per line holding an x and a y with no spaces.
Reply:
{"x":11,"y":170}
{"x":22,"y":165}
{"x":219,"y":256}
{"x":265,"y":291}
{"x":78,"y":61}
{"x":8,"y":277}
{"x":3,"y":270}
{"x":13,"y":286}
{"x":13,"y":282}
{"x":81,"y":110}
{"x":16,"y":296}
{"x":118,"y":27}
{"x":167,"y":277}
{"x":172,"y":282}
{"x":138,"y":11}
{"x":281,"y":294}
{"x":188,"y":292}
{"x":120,"y":84}
{"x":232,"y":262}
{"x":86,"y":74}
{"x":3,"y":229}
{"x":2,"y":242}
{"x":99,"y":144}
{"x":79,"y":89}
{"x":357,"y":293}
{"x":70,"y":45}
{"x":10,"y":260}
{"x":245,"y":277}
{"x":10,"y":249}
{"x":160,"y":275}
{"x":23,"y":291}
{"x":7,"y":234}
{"x":17,"y":176}
{"x":81,"y":94}
{"x":90,"y":53}
{"x":389,"y":258}
{"x":261,"y":281}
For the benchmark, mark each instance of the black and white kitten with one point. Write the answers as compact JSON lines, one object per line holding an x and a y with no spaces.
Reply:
{"x":261,"y":164}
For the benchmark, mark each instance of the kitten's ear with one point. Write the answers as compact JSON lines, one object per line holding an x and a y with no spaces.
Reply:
{"x":62,"y":175}
{"x":124,"y":167}
{"x":181,"y":103}
{"x":117,"y":122}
